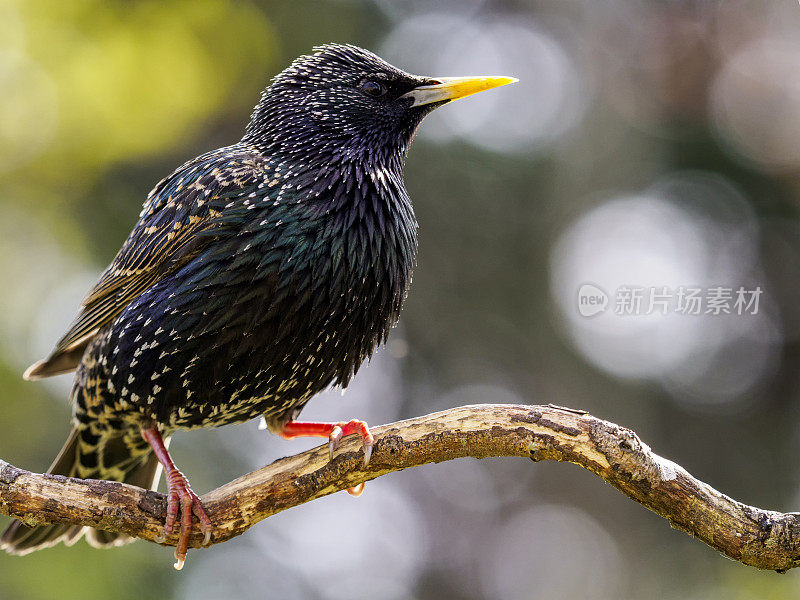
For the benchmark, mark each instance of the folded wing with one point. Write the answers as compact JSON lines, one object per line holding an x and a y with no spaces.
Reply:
{"x":165,"y":238}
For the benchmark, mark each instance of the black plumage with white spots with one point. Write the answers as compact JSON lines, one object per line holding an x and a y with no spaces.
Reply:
{"x":257,"y":275}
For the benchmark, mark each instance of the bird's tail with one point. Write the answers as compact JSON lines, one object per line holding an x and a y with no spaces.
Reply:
{"x":121,"y":457}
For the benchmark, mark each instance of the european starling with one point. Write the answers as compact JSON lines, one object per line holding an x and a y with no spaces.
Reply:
{"x":257,"y":275}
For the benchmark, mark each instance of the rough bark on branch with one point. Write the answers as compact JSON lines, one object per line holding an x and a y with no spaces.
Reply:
{"x":756,"y":537}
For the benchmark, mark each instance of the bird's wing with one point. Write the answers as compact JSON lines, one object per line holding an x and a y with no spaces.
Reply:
{"x":164,"y":238}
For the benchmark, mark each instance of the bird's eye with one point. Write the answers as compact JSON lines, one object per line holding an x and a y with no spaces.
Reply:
{"x":373,"y":88}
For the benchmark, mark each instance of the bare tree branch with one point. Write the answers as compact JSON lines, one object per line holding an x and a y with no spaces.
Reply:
{"x":756,"y":537}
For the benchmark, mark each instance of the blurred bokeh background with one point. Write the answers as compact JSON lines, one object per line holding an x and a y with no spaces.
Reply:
{"x":648,"y":143}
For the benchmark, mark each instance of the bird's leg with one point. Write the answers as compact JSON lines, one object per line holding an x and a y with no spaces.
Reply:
{"x":178,"y":494}
{"x":334,"y":432}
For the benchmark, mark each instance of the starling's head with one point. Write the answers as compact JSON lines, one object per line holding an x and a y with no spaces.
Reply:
{"x":345,"y":101}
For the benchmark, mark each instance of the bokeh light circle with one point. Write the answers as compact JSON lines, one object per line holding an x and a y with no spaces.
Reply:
{"x":553,"y":551}
{"x":689,"y":230}
{"x":755,"y":104}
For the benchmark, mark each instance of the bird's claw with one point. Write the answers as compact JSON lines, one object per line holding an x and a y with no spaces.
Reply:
{"x":334,"y":432}
{"x":342,"y":429}
{"x":356,"y":491}
{"x":334,"y":438}
{"x":181,"y":495}
{"x":368,"y":450}
{"x":355,"y":426}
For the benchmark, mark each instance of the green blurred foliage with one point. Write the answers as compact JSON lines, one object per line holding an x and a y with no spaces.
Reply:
{"x":129,"y":78}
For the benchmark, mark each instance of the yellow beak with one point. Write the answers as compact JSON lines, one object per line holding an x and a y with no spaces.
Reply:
{"x":453,"y":88}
